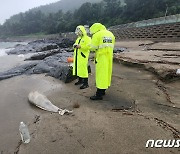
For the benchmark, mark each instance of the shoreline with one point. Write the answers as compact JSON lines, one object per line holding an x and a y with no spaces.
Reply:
{"x":136,"y":108}
{"x":92,"y":121}
{"x":28,"y":38}
{"x":15,"y":107}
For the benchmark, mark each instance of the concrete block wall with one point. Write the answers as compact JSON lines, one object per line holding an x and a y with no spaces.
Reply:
{"x":156,"y":32}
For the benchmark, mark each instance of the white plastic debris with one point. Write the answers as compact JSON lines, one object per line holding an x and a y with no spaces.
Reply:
{"x":42,"y":102}
{"x":62,"y":112}
{"x":178,"y":71}
{"x":24,"y":132}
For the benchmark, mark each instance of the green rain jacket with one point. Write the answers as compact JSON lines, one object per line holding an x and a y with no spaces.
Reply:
{"x":103,"y":44}
{"x":81,"y":55}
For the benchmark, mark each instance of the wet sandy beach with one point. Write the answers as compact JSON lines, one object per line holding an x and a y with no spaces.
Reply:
{"x":95,"y":127}
{"x":135,"y":109}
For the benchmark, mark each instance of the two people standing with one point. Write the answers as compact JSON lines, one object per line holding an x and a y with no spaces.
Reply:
{"x":102,"y":44}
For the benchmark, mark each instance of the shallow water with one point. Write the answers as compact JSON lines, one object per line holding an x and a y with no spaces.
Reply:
{"x":6,"y":46}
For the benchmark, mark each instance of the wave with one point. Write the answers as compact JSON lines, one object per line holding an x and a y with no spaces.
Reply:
{"x":7,"y":46}
{"x":3,"y":52}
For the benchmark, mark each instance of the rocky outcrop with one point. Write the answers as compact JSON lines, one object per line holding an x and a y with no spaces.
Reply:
{"x":19,"y":70}
{"x":164,"y":65}
{"x":55,"y":66}
{"x":41,"y":46}
{"x":50,"y":59}
{"x":33,"y":47}
{"x":42,"y":55}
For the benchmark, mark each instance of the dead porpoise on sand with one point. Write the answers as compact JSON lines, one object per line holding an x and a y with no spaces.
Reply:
{"x":42,"y":102}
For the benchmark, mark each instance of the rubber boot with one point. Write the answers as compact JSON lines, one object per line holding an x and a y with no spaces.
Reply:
{"x":79,"y":81}
{"x":85,"y":83}
{"x":98,"y":95}
{"x":103,"y":92}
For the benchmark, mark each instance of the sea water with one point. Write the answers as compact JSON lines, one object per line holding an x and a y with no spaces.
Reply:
{"x":7,"y":46}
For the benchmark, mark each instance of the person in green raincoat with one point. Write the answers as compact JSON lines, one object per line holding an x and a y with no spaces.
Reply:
{"x":81,"y":55}
{"x":103,"y":44}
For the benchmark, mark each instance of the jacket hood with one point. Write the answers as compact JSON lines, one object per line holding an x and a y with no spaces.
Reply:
{"x":83,"y":30}
{"x":97,"y":27}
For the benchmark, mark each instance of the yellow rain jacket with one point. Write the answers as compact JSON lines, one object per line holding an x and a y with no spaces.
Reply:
{"x":81,"y":55}
{"x":103,"y":44}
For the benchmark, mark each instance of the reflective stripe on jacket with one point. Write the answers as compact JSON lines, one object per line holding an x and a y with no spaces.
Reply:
{"x":103,"y":43}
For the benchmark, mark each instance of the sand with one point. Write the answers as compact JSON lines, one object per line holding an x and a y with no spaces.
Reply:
{"x":96,"y":126}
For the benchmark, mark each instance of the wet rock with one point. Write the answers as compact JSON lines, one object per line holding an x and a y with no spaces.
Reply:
{"x":19,"y":70}
{"x":63,"y":72}
{"x":69,"y":49}
{"x":42,"y":55}
{"x":65,"y":43}
{"x":50,"y":59}
{"x":118,"y":50}
{"x":62,"y":43}
{"x":55,"y":66}
{"x":32,"y":48}
{"x":42,"y":45}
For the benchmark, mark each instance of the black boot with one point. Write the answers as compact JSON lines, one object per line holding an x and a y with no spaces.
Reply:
{"x":103,"y":92}
{"x":98,"y":95}
{"x":85,"y":83}
{"x":79,"y":81}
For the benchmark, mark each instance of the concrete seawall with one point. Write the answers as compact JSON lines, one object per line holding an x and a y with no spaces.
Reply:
{"x":160,"y":29}
{"x":163,"y":32}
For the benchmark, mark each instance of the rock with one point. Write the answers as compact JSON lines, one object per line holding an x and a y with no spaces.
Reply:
{"x":42,"y":45}
{"x":24,"y":49}
{"x":32,"y":47}
{"x":42,"y":55}
{"x":117,"y":50}
{"x":55,"y":66}
{"x":65,"y":43}
{"x":69,"y":49}
{"x":19,"y":70}
{"x":63,"y":72}
{"x":50,"y":59}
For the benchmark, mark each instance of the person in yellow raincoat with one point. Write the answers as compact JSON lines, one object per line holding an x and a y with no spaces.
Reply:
{"x":103,"y":44}
{"x":81,"y":55}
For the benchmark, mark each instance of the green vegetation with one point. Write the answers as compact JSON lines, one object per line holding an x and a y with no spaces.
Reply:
{"x":109,"y":12}
{"x":64,"y":5}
